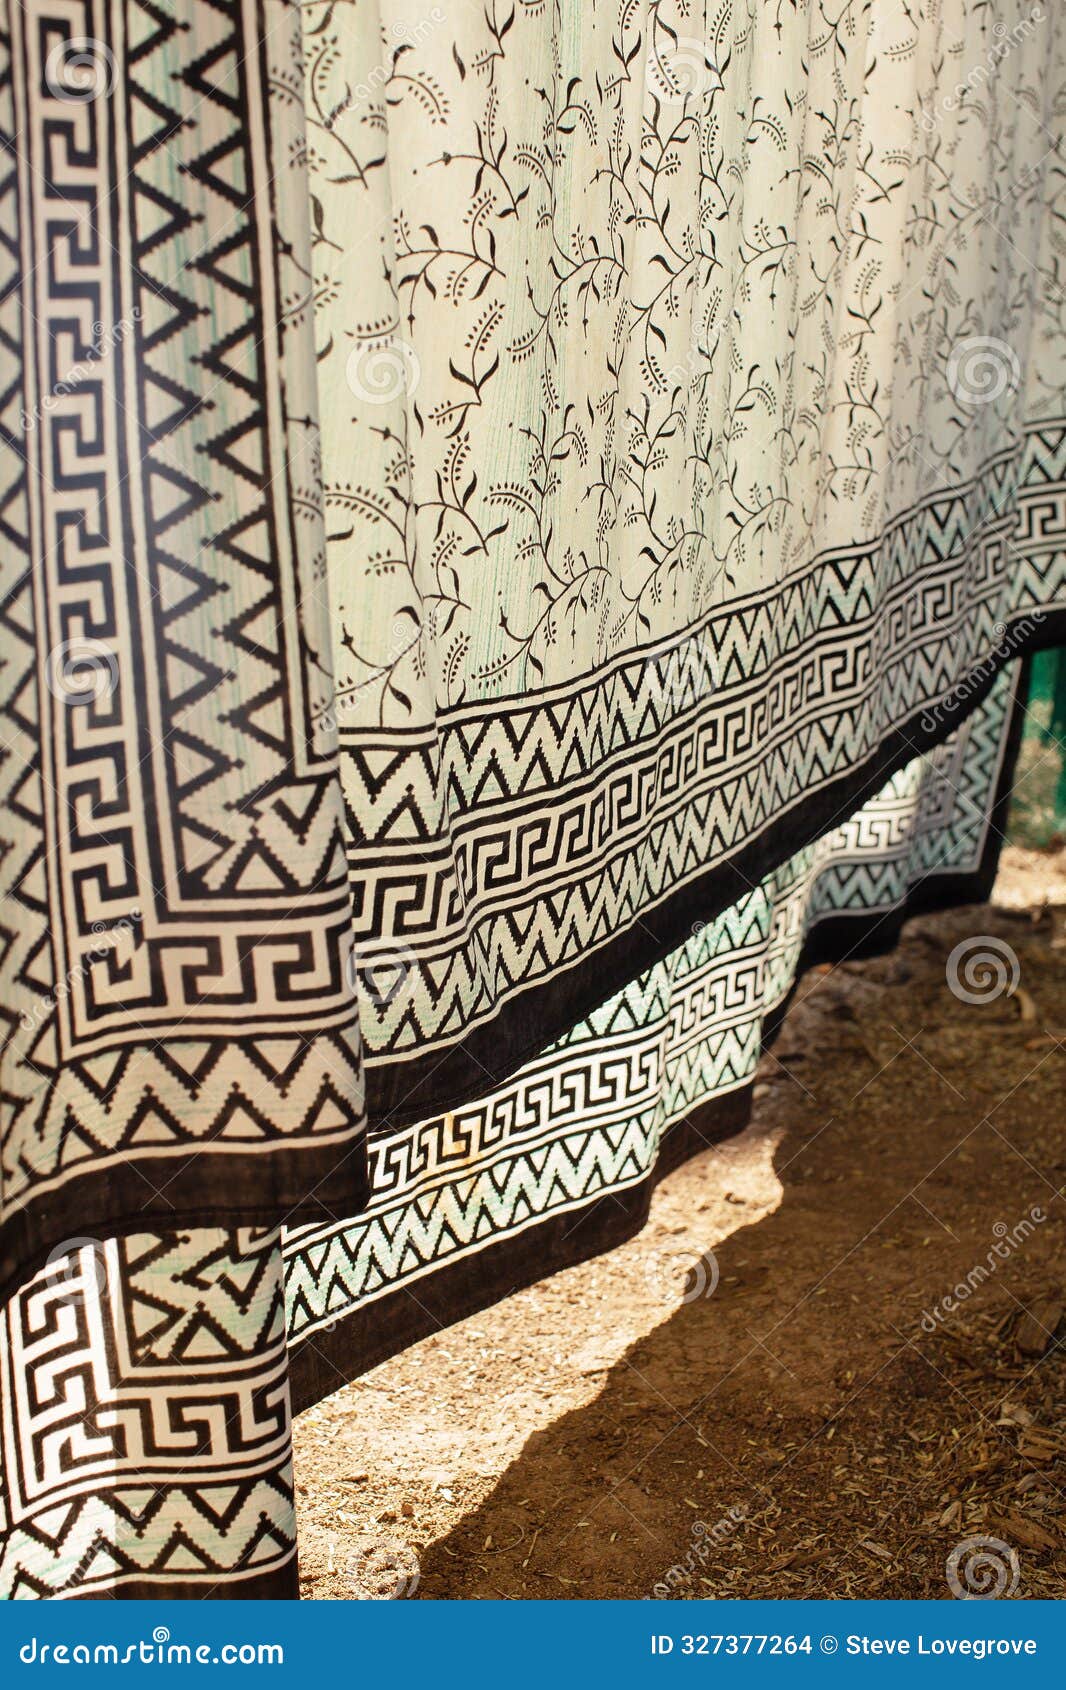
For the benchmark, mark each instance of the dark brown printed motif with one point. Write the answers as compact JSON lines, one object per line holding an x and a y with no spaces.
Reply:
{"x":692,"y":423}
{"x":145,"y":1443}
{"x":692,"y":457}
{"x":177,"y":994}
{"x":173,"y":1340}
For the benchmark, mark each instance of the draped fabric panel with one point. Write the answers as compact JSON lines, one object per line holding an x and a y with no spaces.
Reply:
{"x":515,"y":520}
{"x":176,"y":996}
{"x":561,"y":1161}
{"x":146,"y":1432}
{"x":144,"y":1380}
{"x":690,"y":404}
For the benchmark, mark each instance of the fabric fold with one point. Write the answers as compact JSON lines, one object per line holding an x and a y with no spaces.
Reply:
{"x":518,"y":524}
{"x":693,"y":452}
{"x":179,"y":1009}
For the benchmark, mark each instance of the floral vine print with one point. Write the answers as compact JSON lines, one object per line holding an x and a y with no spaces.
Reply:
{"x":690,"y":375}
{"x":626,"y":309}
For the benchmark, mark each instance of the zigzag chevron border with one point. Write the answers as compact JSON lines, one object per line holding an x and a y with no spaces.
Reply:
{"x":668,"y":1060}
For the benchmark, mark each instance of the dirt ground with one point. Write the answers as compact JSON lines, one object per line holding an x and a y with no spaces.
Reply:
{"x":766,"y":1394}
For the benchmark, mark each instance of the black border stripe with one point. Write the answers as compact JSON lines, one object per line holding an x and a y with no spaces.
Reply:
{"x":279,"y":1584}
{"x":298,"y":1183}
{"x":400,"y":1093}
{"x":372,"y":1332}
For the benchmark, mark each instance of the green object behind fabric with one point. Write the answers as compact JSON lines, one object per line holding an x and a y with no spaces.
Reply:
{"x":1038,"y":808}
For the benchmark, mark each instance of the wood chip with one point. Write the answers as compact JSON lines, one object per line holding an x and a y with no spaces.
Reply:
{"x":1013,"y":1414}
{"x":1039,"y":1445}
{"x":1027,"y":1009}
{"x":1029,"y":1533}
{"x":1037,"y":1327}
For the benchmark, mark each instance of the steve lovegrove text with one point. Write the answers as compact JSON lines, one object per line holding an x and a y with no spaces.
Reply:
{"x":978,"y":1648}
{"x":755,"y":1643}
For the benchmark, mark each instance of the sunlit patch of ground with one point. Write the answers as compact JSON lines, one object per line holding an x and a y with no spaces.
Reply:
{"x":814,"y":1420}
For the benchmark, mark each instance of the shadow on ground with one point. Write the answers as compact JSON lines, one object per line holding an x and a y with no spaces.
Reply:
{"x":811,"y":1418}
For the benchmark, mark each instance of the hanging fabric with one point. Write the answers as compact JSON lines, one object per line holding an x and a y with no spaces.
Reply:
{"x":146,"y":1381}
{"x":513,"y":523}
